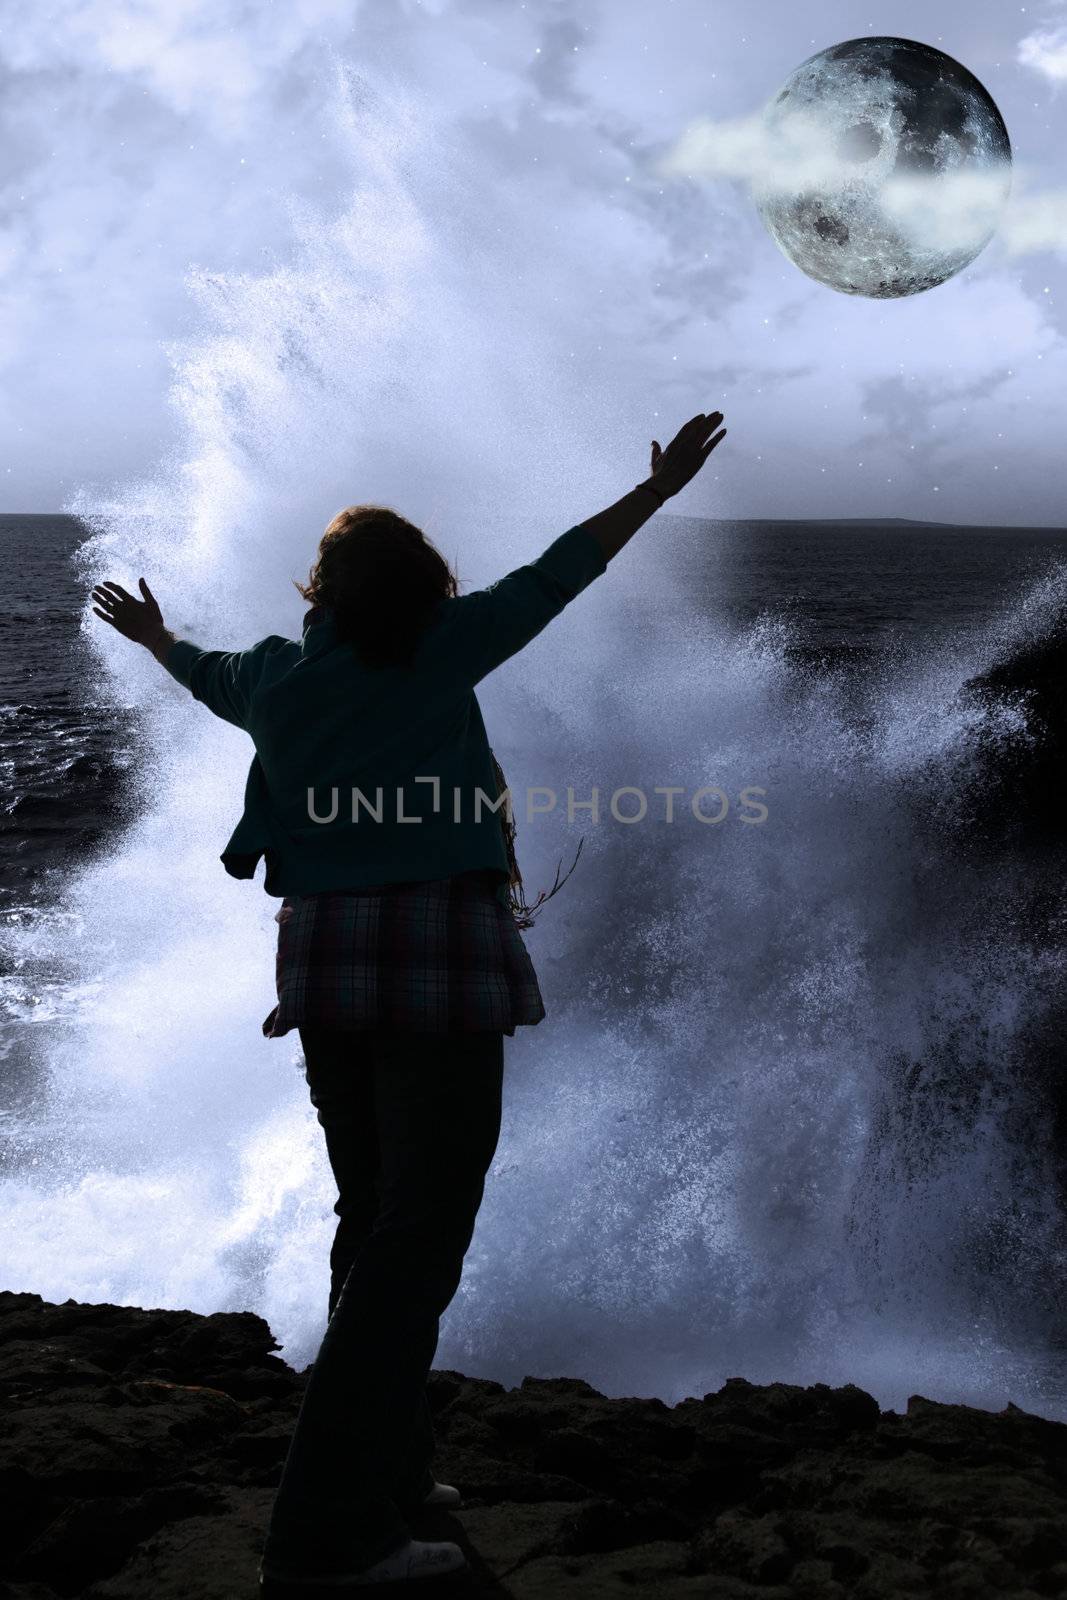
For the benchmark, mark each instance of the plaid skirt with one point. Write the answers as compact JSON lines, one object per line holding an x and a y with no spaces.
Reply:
{"x":442,"y":956}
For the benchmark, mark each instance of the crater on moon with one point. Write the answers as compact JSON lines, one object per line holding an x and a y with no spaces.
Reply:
{"x":860,"y":142}
{"x":895,"y":166}
{"x":830,"y":227}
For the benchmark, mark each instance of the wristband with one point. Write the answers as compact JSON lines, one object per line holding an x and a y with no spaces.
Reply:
{"x":649,"y":487}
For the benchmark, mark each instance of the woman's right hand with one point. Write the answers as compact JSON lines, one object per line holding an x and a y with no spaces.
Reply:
{"x":686,"y":454}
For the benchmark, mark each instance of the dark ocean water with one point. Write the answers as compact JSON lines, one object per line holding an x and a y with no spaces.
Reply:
{"x":63,"y":755}
{"x":849,"y":590}
{"x":856,"y":588}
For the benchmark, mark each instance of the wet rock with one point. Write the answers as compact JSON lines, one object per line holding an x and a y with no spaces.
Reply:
{"x":1016,"y":783}
{"x":140,"y":1452}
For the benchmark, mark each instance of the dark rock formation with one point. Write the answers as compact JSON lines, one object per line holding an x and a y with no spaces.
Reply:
{"x":986,"y":865}
{"x":141,"y":1450}
{"x":1011,"y":808}
{"x":1017,"y":785}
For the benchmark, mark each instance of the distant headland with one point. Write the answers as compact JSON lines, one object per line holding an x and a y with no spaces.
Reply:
{"x":869,"y":522}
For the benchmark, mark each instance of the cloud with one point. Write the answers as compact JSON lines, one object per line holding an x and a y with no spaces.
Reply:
{"x":1036,"y":222}
{"x":956,"y":211}
{"x":951,"y":210}
{"x":214,"y":63}
{"x":797,"y":152}
{"x":960,"y":209}
{"x":135,"y":154}
{"x":1046,"y":53}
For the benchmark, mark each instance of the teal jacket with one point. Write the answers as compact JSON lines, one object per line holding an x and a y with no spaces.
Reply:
{"x":369,"y":743}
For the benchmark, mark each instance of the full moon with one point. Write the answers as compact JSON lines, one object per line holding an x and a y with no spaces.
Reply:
{"x":889,"y":167}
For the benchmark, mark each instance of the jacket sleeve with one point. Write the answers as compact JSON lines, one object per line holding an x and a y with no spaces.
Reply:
{"x":220,"y":679}
{"x":495,"y":623}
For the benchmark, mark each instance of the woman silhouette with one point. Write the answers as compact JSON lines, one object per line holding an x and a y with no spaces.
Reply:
{"x":399,"y":961}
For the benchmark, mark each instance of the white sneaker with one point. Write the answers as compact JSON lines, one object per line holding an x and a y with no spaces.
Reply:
{"x":417,"y":1558}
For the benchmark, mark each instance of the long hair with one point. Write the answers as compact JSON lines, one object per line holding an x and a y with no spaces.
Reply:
{"x":382,"y":580}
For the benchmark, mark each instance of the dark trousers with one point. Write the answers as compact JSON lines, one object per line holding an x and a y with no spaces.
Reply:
{"x":411,"y":1124}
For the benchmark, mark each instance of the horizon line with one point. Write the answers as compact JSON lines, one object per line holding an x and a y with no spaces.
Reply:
{"x":913,"y":522}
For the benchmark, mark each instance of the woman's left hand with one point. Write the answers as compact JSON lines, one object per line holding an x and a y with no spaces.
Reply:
{"x":139,"y":620}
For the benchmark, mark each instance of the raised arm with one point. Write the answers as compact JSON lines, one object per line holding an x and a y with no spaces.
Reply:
{"x":489,"y":626}
{"x":217,"y":678}
{"x":671,"y":470}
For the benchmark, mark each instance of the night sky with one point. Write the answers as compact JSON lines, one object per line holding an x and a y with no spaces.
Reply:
{"x":140,"y":141}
